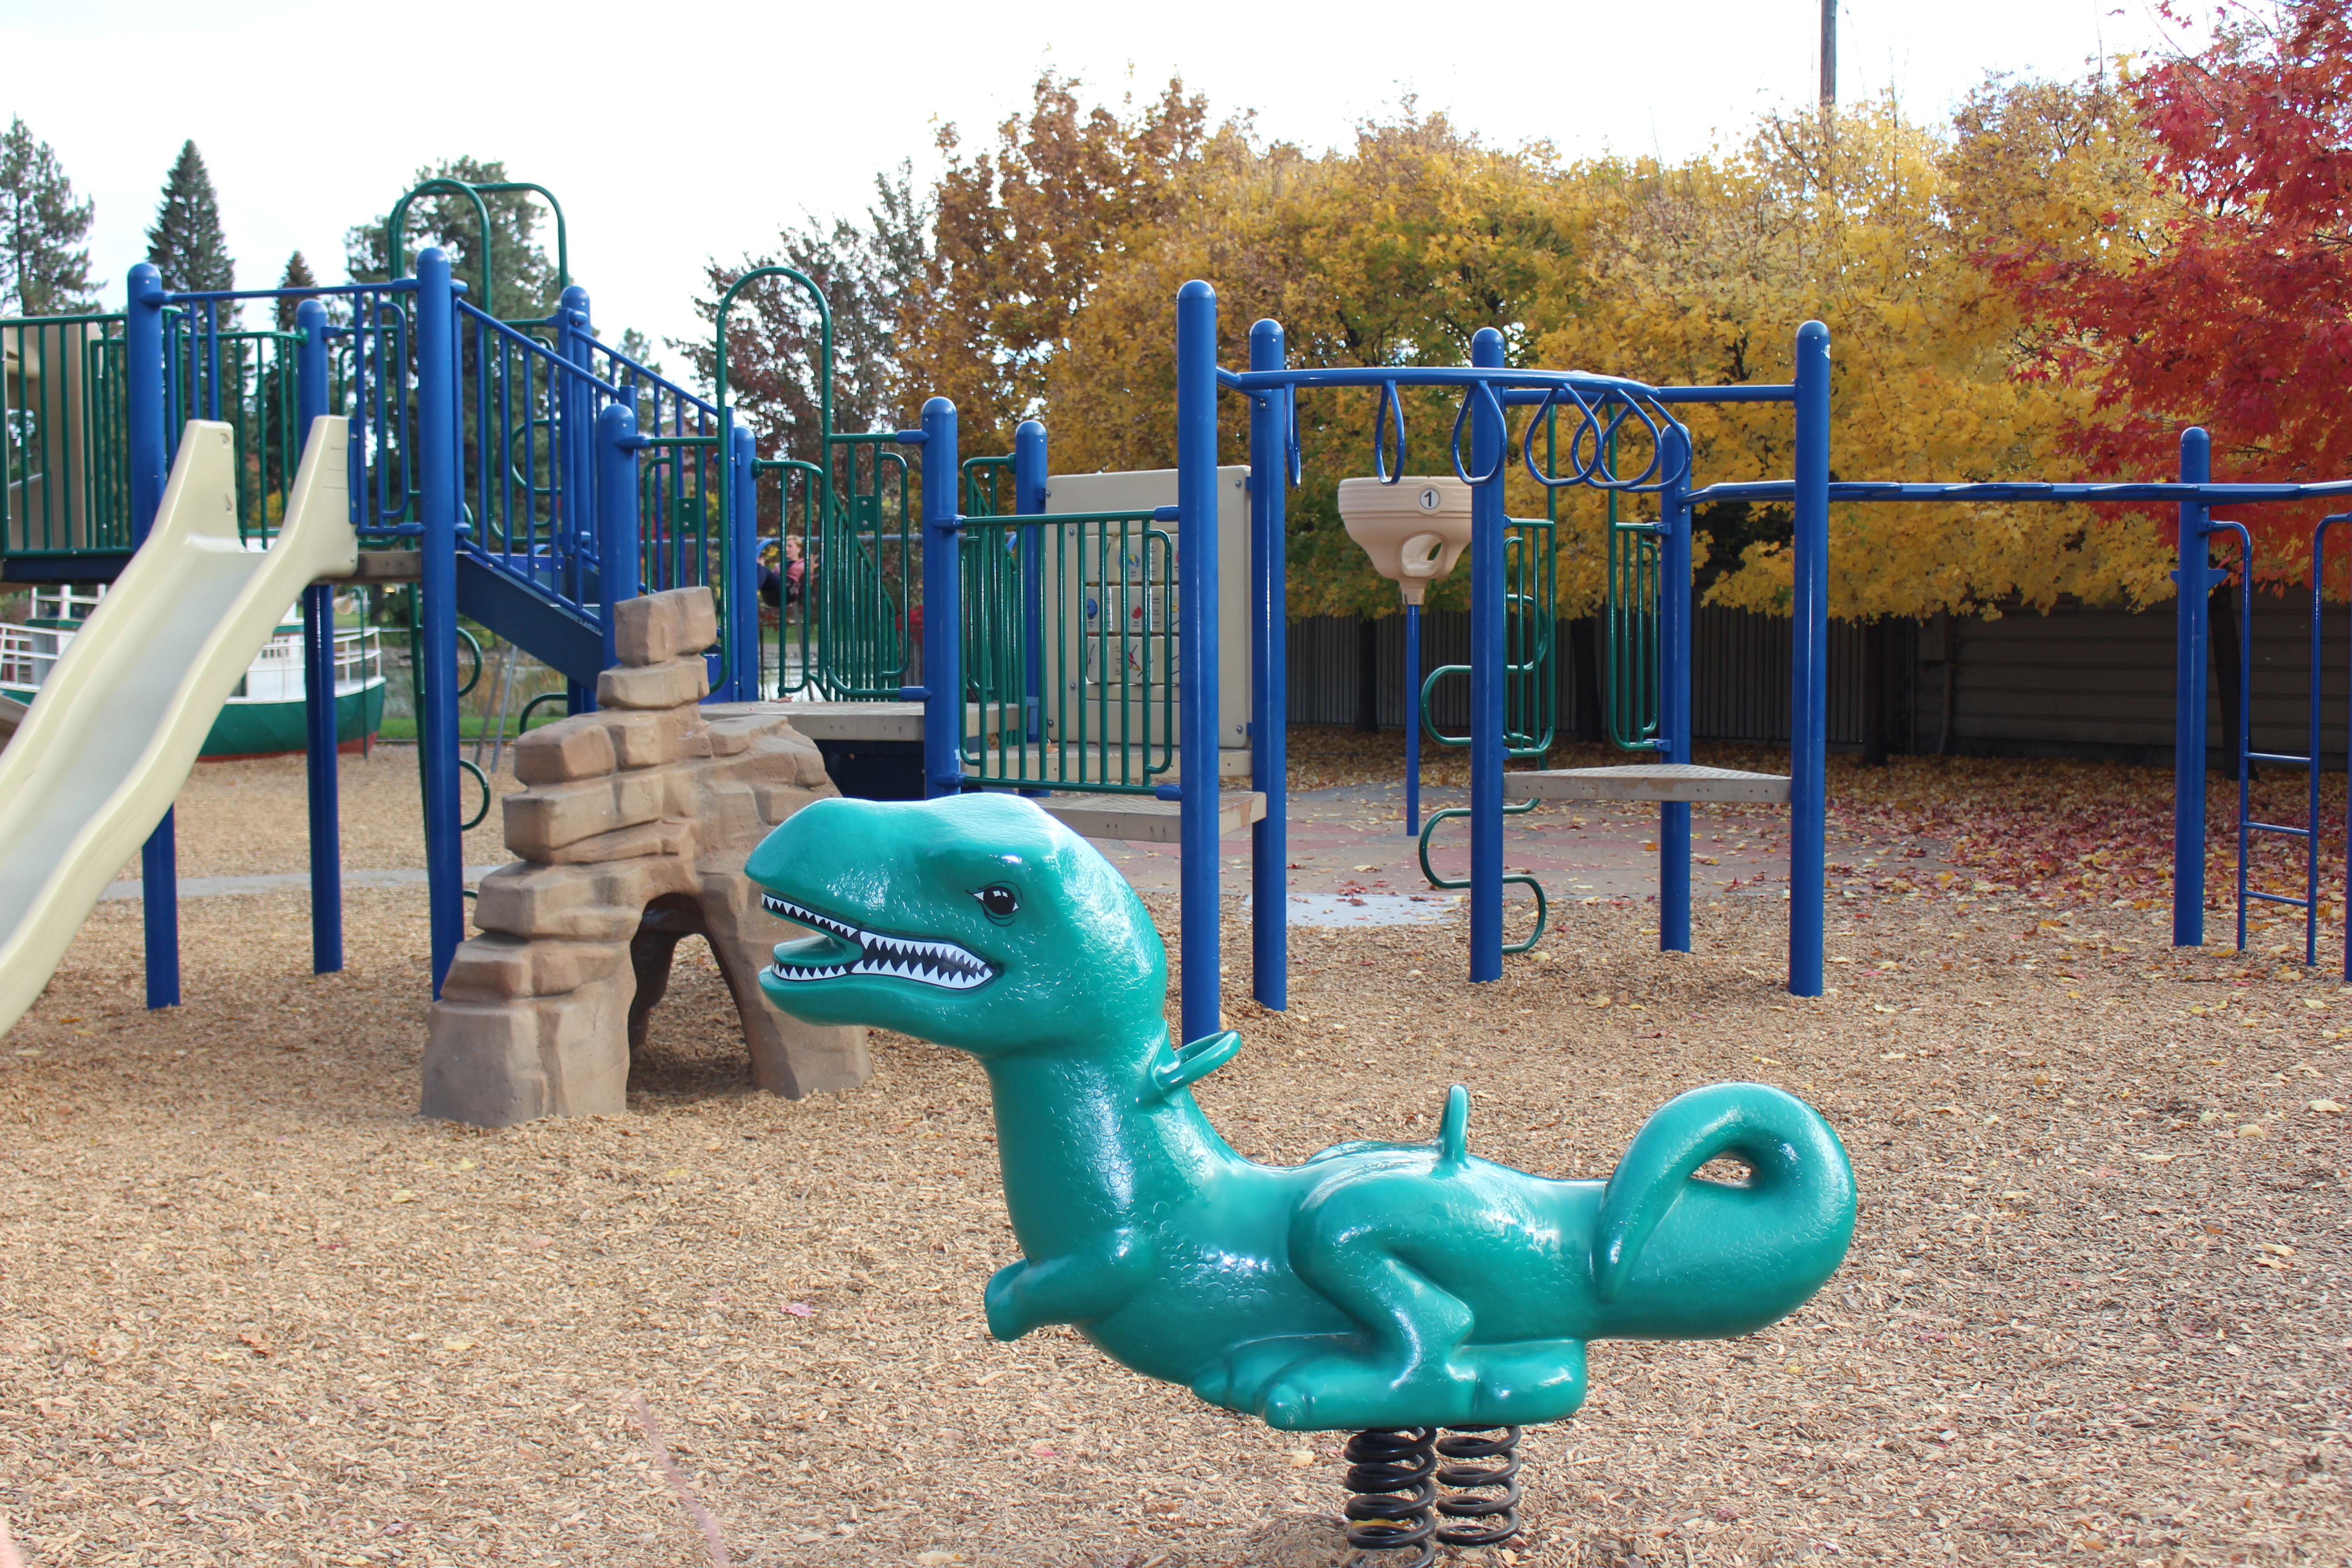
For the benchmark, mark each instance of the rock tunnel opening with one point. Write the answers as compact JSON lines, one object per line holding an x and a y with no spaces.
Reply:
{"x":714,"y":1052}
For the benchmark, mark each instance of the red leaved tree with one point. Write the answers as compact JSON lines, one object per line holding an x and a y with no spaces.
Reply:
{"x":2234,"y":311}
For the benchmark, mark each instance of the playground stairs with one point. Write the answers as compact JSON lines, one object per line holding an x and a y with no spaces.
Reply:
{"x":562,"y":634}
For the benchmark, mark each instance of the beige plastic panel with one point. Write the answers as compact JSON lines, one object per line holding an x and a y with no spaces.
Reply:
{"x":1139,"y":491}
{"x":118,"y":724}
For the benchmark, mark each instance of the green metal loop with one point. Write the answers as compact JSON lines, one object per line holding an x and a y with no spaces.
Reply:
{"x":1530,"y":601}
{"x":472,"y":642}
{"x":1543,"y":909}
{"x":522,"y":722}
{"x":396,"y":231}
{"x":480,"y":778}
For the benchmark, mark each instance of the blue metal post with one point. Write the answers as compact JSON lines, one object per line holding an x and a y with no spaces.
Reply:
{"x":1808,"y":674}
{"x":1488,"y":610}
{"x":320,"y":728}
{"x":616,"y":512}
{"x":2189,"y":699}
{"x":743,"y":556}
{"x":576,"y":429}
{"x":1196,"y":697}
{"x":1413,"y":720}
{"x":1674,"y":687}
{"x":1029,"y":500}
{"x":150,"y":464}
{"x":439,"y":486}
{"x":943,"y":685}
{"x":1269,"y":482}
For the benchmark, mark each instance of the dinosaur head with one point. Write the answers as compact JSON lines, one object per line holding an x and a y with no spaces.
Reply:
{"x":974,"y":920}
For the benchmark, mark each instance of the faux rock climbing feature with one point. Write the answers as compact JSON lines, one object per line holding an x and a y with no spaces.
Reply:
{"x":632,"y":836}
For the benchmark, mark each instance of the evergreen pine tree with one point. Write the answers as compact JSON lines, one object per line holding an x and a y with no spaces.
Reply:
{"x":298,"y":275}
{"x":44,"y":269}
{"x":186,"y":243}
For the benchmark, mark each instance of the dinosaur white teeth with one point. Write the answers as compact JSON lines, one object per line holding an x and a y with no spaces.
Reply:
{"x":899,"y":958}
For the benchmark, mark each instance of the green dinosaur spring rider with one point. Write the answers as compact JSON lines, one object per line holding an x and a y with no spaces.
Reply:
{"x":1391,"y":1289}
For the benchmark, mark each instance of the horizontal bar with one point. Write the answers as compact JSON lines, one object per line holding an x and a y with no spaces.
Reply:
{"x":2253,"y":827}
{"x":2022,"y":490}
{"x":1435,"y":376}
{"x":1009,"y":519}
{"x":2278,"y":898}
{"x":397,"y":286}
{"x":1763,"y":392}
{"x":13,"y":322}
{"x":2282,"y":759}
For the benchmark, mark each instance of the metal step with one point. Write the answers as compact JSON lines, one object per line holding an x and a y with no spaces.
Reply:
{"x":1144,"y":820}
{"x":1648,"y":781}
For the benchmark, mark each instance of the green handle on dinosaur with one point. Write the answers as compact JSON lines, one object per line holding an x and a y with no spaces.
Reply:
{"x":1375,"y":1284}
{"x":1174,"y":1069}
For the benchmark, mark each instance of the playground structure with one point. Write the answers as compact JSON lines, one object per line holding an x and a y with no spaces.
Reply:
{"x":1599,"y":410}
{"x":967,"y":622}
{"x":501,"y":467}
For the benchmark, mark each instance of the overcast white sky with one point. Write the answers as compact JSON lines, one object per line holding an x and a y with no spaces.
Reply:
{"x":674,"y":133}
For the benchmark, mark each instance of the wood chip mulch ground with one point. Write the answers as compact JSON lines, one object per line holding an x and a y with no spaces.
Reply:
{"x":253,"y":1311}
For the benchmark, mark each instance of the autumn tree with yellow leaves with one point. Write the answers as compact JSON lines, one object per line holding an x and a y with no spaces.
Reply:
{"x":1058,"y":248}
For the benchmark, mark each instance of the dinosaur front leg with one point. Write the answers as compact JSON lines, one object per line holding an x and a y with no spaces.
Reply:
{"x":1073,"y":1287}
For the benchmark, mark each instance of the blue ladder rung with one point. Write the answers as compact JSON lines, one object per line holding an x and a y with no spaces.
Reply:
{"x":2285,"y":762}
{"x":2278,"y":898}
{"x":2252,"y":826}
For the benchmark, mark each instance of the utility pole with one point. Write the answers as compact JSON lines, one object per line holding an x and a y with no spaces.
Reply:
{"x":1828,"y":55}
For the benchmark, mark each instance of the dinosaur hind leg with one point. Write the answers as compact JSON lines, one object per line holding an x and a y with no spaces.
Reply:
{"x":1402,"y":1370}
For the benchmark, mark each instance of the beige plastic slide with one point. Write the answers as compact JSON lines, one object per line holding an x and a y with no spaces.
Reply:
{"x":105,"y":745}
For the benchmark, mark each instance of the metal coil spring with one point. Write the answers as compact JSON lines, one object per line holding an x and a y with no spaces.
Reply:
{"x":1392,"y":1475}
{"x":1492,"y":1478}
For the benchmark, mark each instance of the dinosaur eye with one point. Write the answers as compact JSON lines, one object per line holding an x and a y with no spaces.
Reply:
{"x":998,"y":900}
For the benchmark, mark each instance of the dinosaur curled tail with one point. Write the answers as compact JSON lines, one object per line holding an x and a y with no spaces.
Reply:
{"x":1678,"y":1256}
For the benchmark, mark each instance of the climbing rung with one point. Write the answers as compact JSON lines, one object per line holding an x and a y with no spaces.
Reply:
{"x":2278,"y":898}
{"x":2278,"y":759}
{"x":1648,"y":781}
{"x":2253,"y":827}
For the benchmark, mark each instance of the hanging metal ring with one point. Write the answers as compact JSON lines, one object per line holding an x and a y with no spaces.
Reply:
{"x":1389,"y":403}
{"x":1485,"y":389}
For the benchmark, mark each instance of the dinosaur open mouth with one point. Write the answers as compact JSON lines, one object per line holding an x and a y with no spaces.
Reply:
{"x":847,"y":950}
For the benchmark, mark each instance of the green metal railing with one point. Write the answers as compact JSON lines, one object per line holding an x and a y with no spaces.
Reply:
{"x":62,"y":438}
{"x":1531,"y":594}
{"x":1630,"y":631}
{"x":1106,"y":651}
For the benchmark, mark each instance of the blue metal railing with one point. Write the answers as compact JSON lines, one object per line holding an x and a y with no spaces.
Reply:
{"x":2242,"y":744}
